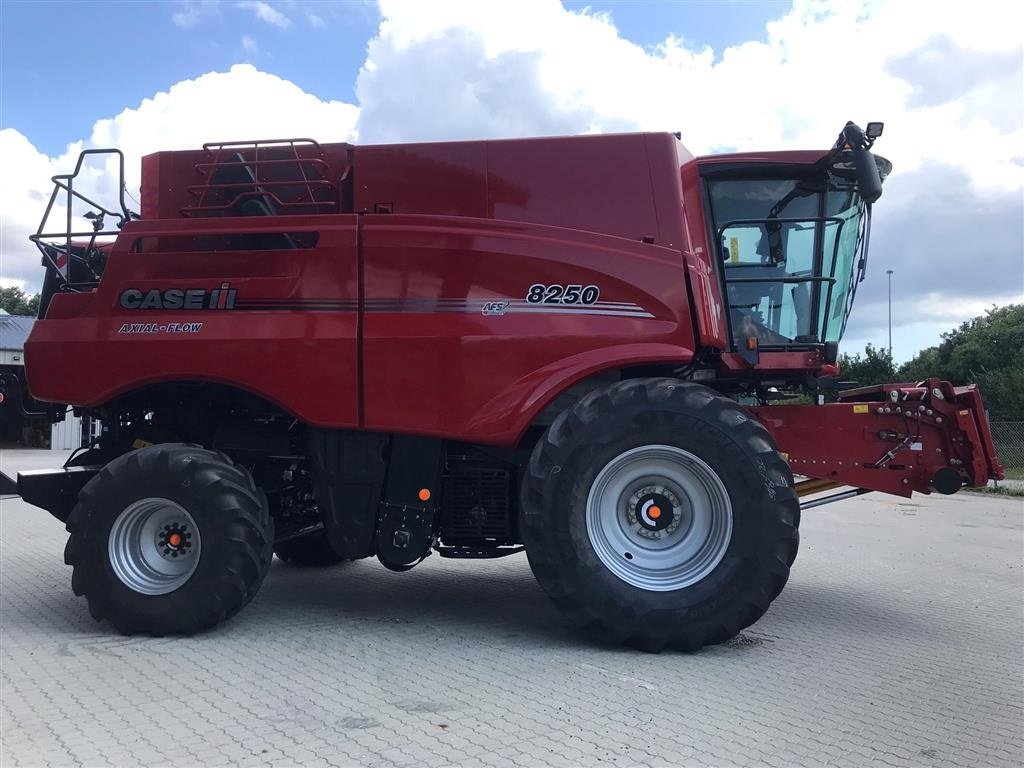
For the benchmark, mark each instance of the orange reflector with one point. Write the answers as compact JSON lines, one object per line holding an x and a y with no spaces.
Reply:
{"x":654,"y":513}
{"x":174,"y":539}
{"x":424,"y":494}
{"x":752,"y":342}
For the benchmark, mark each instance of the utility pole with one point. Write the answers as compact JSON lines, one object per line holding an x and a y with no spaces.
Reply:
{"x":889,"y":273}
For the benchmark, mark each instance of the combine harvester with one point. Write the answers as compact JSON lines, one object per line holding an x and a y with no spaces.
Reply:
{"x":578,"y":346}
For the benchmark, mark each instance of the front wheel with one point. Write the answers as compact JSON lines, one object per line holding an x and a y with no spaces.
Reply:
{"x":659,"y":513}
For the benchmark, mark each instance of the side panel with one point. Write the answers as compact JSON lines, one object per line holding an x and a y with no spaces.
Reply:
{"x":702,"y":264}
{"x":283,"y":325}
{"x":665,"y":156}
{"x":454,"y":347}
{"x":592,"y":183}
{"x":442,"y":179}
{"x":625,"y":186}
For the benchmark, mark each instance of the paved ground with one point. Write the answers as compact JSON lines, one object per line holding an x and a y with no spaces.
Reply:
{"x":899,"y":641}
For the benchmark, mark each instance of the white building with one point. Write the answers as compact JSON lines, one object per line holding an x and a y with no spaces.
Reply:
{"x":15,"y":427}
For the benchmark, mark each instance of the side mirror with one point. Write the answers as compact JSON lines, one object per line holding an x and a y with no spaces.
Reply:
{"x":869,"y":183}
{"x":874,"y":130}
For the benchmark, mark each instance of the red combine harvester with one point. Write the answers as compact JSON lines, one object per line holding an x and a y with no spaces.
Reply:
{"x":578,"y":346}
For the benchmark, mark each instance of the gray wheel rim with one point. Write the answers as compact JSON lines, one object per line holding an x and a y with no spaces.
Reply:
{"x":154,"y":546}
{"x":697,"y":521}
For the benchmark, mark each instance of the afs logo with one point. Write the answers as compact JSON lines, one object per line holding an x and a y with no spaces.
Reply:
{"x":179,"y":298}
{"x":494,"y":308}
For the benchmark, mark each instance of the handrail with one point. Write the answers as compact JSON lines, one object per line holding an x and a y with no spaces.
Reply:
{"x":861,"y":255}
{"x":831,"y":279}
{"x":787,"y":280}
{"x":263,"y":142}
{"x":66,"y":182}
{"x":202,"y":167}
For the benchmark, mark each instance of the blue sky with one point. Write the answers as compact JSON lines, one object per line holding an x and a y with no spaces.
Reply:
{"x":122,"y":52}
{"x":119,"y":53}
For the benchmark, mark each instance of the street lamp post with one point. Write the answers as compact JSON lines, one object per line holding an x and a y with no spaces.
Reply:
{"x":889,"y":273}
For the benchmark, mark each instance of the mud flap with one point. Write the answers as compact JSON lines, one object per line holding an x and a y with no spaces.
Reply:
{"x":348,"y":477}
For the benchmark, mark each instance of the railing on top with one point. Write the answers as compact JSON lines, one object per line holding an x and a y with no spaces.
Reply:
{"x":263,"y":177}
{"x":75,"y":260}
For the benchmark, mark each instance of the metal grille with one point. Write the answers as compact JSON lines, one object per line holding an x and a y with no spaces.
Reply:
{"x":1009,"y":439}
{"x":477,"y":504}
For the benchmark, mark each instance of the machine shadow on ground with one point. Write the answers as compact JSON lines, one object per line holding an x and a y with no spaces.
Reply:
{"x":499,"y":600}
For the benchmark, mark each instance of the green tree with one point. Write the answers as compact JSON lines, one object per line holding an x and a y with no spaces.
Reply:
{"x":15,"y":301}
{"x":875,"y":367}
{"x":987,"y":351}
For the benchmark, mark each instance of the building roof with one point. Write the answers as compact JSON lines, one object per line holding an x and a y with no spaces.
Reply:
{"x":13,"y":331}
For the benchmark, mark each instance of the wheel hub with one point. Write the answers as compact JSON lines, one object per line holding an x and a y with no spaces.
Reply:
{"x":154,"y":546}
{"x":659,"y":517}
{"x":174,"y":540}
{"x":654,"y":511}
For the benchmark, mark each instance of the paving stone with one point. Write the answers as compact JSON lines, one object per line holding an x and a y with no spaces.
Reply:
{"x":897,"y":642}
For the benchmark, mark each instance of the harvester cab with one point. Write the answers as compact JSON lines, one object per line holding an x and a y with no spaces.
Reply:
{"x":793,"y":240}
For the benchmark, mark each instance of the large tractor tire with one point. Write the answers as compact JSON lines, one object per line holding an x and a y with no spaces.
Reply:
{"x":657,"y":513}
{"x":310,"y":551}
{"x":169,"y":539}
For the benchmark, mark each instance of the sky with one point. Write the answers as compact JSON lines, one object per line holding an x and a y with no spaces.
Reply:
{"x":727,"y":75}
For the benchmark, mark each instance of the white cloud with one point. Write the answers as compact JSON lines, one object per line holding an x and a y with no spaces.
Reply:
{"x":820,"y":65}
{"x":250,"y":46}
{"x":7,"y":282}
{"x":191,"y":11}
{"x":266,"y":12}
{"x":23,"y":198}
{"x":315,"y":21}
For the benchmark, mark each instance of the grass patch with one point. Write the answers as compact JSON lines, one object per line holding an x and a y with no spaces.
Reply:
{"x":1002,"y":490}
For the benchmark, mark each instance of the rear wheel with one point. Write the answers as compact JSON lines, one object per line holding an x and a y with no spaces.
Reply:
{"x":311,"y":550}
{"x":659,"y":513}
{"x":169,"y":539}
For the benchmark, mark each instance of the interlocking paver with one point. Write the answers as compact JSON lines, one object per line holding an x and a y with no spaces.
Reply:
{"x":898,"y":642}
